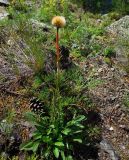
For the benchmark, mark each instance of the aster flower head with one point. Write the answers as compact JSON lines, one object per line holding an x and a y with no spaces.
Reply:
{"x":58,"y":21}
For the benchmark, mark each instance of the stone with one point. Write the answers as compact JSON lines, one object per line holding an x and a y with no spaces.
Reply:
{"x":113,"y":98}
{"x":111,"y":128}
{"x":120,"y":27}
{"x":4,"y":2}
{"x":39,"y":25}
{"x":100,"y":70}
{"x":3,"y":13}
{"x":112,"y":69}
{"x":123,"y":147}
{"x":107,"y":147}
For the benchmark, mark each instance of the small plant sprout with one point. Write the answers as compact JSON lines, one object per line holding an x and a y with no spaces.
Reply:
{"x":58,"y":22}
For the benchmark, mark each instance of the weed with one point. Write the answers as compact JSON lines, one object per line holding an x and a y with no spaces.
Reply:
{"x":93,"y":83}
{"x":6,"y":125}
{"x":109,"y":52}
{"x":126,"y":100}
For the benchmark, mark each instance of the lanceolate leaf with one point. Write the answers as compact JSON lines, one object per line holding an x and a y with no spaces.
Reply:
{"x":56,"y":152}
{"x":63,"y":155}
{"x":30,"y":146}
{"x":77,"y":140}
{"x":46,"y":139}
{"x":37,"y":135}
{"x":80,"y":118}
{"x":69,"y":158}
{"x":60,"y":144}
{"x":66,"y":131}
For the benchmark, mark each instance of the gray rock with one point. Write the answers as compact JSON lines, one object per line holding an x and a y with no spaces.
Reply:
{"x":121,"y":55}
{"x":120,"y":27}
{"x":3,"y":13}
{"x":107,"y":147}
{"x":13,"y":59}
{"x":5,"y":2}
{"x":39,"y":25}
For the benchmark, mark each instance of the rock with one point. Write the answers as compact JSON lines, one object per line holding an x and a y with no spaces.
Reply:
{"x":121,"y":55}
{"x":13,"y":59}
{"x":100,"y":70}
{"x":113,"y":98}
{"x":4,"y":2}
{"x":120,"y":27}
{"x":117,"y":106}
{"x":111,"y":128}
{"x":107,"y":147}
{"x":39,"y":25}
{"x":3,"y":13}
{"x":112,"y":69}
{"x":123,"y":147}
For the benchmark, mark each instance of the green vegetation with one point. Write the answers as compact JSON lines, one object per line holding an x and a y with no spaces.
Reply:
{"x":55,"y":137}
{"x":109,"y":52}
{"x":103,"y":6}
{"x":126,"y":100}
{"x":63,"y":89}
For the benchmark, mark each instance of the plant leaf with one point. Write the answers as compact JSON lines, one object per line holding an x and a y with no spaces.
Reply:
{"x":56,"y":152}
{"x":79,"y":118}
{"x":30,"y":146}
{"x":77,"y":140}
{"x":79,"y":125}
{"x":60,"y":144}
{"x":30,"y":117}
{"x":46,"y":139}
{"x":63,"y":155}
{"x":78,"y":131}
{"x":66,"y":131}
{"x":37,"y":135}
{"x":69,"y":157}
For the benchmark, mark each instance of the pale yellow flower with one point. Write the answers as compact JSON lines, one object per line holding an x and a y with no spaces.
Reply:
{"x":58,"y":21}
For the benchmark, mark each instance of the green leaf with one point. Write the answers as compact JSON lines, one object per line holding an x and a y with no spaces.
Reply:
{"x":31,"y":117}
{"x":63,"y":155}
{"x":78,"y":131}
{"x":60,"y":144}
{"x":77,"y":140}
{"x":56,"y":152}
{"x":71,"y":123}
{"x":46,"y":139}
{"x":30,"y":146}
{"x":37,"y":82}
{"x":66,"y":131}
{"x":79,"y":125}
{"x":69,"y":158}
{"x":47,"y":152}
{"x":67,"y":145}
{"x":79,"y":118}
{"x":37,"y":135}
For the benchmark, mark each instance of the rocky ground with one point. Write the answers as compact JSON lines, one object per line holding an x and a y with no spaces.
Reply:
{"x":111,"y":94}
{"x":108,"y":97}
